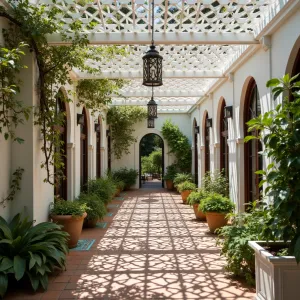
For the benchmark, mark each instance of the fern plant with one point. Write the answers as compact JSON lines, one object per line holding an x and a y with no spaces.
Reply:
{"x":30,"y":251}
{"x":182,"y":177}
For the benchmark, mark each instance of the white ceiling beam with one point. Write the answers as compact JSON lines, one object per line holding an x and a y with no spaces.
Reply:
{"x":163,"y":93}
{"x":160,"y":103}
{"x":162,"y":38}
{"x":139,"y":74}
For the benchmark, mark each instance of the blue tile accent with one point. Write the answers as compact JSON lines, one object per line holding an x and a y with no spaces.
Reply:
{"x":109,"y":214}
{"x":123,"y":194}
{"x":101,"y":225}
{"x":84,"y":245}
{"x":119,"y":198}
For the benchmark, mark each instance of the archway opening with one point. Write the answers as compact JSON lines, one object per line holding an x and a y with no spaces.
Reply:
{"x":84,"y":152}
{"x":196,"y":131}
{"x":151,"y":161}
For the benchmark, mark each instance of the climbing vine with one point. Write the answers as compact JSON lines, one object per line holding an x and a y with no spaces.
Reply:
{"x":30,"y":25}
{"x":179,"y":145}
{"x":121,"y":120}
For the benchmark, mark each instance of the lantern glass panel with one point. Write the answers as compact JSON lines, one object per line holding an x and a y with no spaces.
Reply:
{"x":152,"y":109}
{"x":151,"y":123}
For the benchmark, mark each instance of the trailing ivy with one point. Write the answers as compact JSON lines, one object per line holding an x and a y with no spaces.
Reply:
{"x":179,"y":145}
{"x":95,"y":94}
{"x":121,"y":120}
{"x":31,"y":24}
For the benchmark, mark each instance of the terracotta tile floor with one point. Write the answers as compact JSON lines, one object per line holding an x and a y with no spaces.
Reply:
{"x":152,"y":248}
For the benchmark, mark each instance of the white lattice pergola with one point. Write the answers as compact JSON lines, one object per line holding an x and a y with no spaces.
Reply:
{"x":198,"y":39}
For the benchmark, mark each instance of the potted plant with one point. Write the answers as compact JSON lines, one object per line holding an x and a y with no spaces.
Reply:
{"x":169,"y":176}
{"x":194,"y":199}
{"x":120,"y":187}
{"x":128,"y":176}
{"x":278,"y":277}
{"x":30,"y":252}
{"x":181,"y":177}
{"x":185,"y":188}
{"x":216,"y":207}
{"x":69,"y":214}
{"x":95,"y":209}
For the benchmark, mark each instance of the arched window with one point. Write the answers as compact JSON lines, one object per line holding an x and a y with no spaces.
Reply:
{"x":98,"y":149}
{"x":206,"y":144}
{"x":253,"y":161}
{"x":108,"y":149}
{"x":60,"y":187}
{"x":296,"y":67}
{"x":83,"y":152}
{"x":224,"y":149}
{"x":196,"y":131}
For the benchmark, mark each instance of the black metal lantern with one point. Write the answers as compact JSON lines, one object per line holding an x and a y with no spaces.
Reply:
{"x":209,"y":122}
{"x":228,"y":112}
{"x":152,"y":107}
{"x":151,"y":123}
{"x":152,"y":62}
{"x":197,"y":129}
{"x":107,"y":132}
{"x":97,"y":127}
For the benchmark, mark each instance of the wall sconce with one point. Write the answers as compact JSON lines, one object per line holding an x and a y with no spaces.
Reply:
{"x":97,"y":127}
{"x":197,"y":129}
{"x":209,"y":122}
{"x":228,"y":112}
{"x":107,"y":132}
{"x":151,"y":123}
{"x":80,"y":119}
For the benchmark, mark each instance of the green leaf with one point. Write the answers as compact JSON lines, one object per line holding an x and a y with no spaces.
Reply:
{"x":297,"y":250}
{"x":249,"y":138}
{"x":273,"y":82}
{"x":44,"y":281}
{"x":19,"y":267}
{"x":5,"y":241}
{"x":34,"y":280}
{"x":3,"y":284}
{"x":6,"y":264}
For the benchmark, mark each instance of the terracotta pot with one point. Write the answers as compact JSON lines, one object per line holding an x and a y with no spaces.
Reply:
{"x":90,"y":223}
{"x":198,"y":213}
{"x":184,"y":195}
{"x":72,"y":225}
{"x":215,"y":220}
{"x":118,"y":192}
{"x":169,"y":184}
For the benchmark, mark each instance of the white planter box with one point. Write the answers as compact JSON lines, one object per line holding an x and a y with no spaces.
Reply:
{"x":277,"y":278}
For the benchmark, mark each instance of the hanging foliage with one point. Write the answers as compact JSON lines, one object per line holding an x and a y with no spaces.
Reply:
{"x":179,"y":145}
{"x":30,"y":25}
{"x":121,"y":120}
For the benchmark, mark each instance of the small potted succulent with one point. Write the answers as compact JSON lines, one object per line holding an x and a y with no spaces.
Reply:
{"x":95,"y":209}
{"x":169,"y":176}
{"x":185,"y":188}
{"x":216,"y":207}
{"x":194,"y":199}
{"x":69,"y":214}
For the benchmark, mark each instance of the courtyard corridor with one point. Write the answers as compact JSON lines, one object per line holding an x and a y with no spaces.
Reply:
{"x":151,"y":248}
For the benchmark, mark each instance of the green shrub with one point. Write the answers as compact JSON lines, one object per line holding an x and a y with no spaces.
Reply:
{"x":240,"y":258}
{"x":30,"y":251}
{"x":63,"y":208}
{"x":216,"y":182}
{"x":128,"y":176}
{"x":103,"y":187}
{"x":182,"y":177}
{"x":196,"y":197}
{"x":216,"y":203}
{"x":95,"y":206}
{"x":186,"y":186}
{"x":171,"y":172}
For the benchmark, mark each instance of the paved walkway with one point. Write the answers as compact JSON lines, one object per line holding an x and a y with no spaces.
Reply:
{"x":153,"y":248}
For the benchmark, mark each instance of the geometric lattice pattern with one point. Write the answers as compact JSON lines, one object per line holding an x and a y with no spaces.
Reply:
{"x":188,"y":69}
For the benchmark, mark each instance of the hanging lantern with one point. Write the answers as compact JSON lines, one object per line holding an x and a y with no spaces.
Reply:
{"x":152,"y":107}
{"x":152,"y":62}
{"x":151,"y":123}
{"x":152,"y":67}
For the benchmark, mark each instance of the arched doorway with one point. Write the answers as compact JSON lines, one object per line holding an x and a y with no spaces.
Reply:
{"x":98,"y":148}
{"x":224,"y":149}
{"x":206,"y":143}
{"x":84,"y":152}
{"x":61,"y":185}
{"x":108,"y":136}
{"x":196,"y":132}
{"x":252,"y":160}
{"x":151,"y":161}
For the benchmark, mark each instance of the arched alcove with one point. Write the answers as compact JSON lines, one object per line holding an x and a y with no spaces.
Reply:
{"x":149,"y":143}
{"x":252,"y":159}
{"x":206,"y":140}
{"x":84,"y":150}
{"x":195,"y":137}
{"x":293,"y":65}
{"x":98,"y":147}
